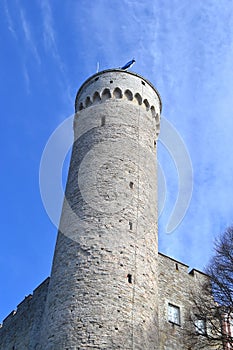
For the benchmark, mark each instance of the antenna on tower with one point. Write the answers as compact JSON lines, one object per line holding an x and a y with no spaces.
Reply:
{"x":97,"y":67}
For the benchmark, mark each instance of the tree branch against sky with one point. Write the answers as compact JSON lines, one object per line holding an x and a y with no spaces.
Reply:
{"x":214,"y":301}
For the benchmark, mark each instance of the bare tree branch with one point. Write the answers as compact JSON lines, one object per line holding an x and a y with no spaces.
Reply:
{"x":213,"y":301}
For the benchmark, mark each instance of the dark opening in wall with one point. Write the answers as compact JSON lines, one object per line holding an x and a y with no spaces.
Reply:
{"x":88,"y":102}
{"x":131,"y":184}
{"x":96,"y":97}
{"x":80,"y":106}
{"x":153,"y":111}
{"x":129,"y":276}
{"x":103,"y":120}
{"x":96,"y":79}
{"x":146,"y":104}
{"x":129,"y":95}
{"x":143,"y":83}
{"x":154,"y":143}
{"x":111,"y":81}
{"x":117,"y":93}
{"x":106,"y":94}
{"x":177,"y":267}
{"x":138,"y":98}
{"x":130,"y":225}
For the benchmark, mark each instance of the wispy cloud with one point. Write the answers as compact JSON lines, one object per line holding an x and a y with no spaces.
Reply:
{"x":50,"y":44}
{"x":49,"y":33}
{"x":9,"y":20}
{"x":26,"y":79}
{"x":29,"y":37}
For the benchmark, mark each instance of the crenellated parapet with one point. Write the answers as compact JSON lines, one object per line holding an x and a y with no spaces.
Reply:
{"x":118,"y":85}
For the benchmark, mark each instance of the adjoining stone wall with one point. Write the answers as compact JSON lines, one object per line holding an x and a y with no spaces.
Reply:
{"x":20,"y":329}
{"x":176,"y":287}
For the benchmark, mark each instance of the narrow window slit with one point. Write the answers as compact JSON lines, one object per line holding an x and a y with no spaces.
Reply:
{"x":130,"y":225}
{"x":103,"y":120}
{"x":131,"y":184}
{"x":129,"y":276}
{"x":177,"y":267}
{"x":143,"y":83}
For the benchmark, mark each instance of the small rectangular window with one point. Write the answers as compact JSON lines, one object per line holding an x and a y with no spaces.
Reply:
{"x":200,"y":326}
{"x":173,"y":314}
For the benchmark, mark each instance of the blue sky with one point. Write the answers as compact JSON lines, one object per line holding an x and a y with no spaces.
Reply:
{"x":185,"y":48}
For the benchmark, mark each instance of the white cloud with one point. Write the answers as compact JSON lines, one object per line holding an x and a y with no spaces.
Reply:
{"x":28,"y":36}
{"x":26,"y":79}
{"x":49,"y":36}
{"x":10,"y":22}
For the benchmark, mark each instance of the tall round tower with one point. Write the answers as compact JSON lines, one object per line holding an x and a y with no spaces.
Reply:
{"x":103,"y":287}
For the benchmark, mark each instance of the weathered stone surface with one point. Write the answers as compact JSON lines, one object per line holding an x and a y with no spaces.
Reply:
{"x":21,"y":329}
{"x":103,"y":286}
{"x":176,"y":287}
{"x":109,"y":288}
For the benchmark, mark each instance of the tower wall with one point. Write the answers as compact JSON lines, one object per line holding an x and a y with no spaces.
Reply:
{"x":103,"y":287}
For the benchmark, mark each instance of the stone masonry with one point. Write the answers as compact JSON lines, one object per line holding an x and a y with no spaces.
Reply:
{"x":103,"y":287}
{"x":21,"y":329}
{"x":109,"y":288}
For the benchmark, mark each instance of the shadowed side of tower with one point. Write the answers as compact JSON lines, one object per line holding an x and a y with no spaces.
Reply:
{"x":103,"y":287}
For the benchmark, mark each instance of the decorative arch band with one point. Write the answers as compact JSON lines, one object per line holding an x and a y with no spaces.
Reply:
{"x":117,"y":93}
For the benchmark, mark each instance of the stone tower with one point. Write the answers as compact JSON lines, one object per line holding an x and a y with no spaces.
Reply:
{"x":103,"y":288}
